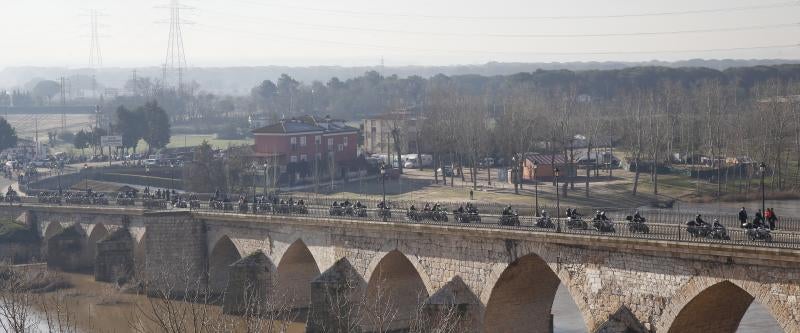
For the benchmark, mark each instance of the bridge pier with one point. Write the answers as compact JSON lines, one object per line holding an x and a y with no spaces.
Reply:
{"x":65,"y":250}
{"x":453,"y":308}
{"x":249,"y":282}
{"x":114,"y":262}
{"x":335,"y":296}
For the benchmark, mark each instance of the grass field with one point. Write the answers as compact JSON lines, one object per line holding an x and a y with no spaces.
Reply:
{"x":196,"y":139}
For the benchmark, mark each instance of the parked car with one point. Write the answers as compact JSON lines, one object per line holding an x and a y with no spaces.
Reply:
{"x":151,"y":162}
{"x":446,"y":171}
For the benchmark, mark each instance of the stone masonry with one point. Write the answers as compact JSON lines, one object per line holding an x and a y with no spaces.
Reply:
{"x":618,"y":284}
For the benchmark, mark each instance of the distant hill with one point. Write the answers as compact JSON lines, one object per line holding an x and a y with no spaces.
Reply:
{"x":239,"y":80}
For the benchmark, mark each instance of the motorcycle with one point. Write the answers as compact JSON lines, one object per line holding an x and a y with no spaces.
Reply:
{"x":545,"y":222}
{"x":244,"y":207}
{"x":576,"y":223}
{"x":637,"y":225}
{"x":299,"y":209}
{"x":602,"y":225}
{"x":359,"y":212}
{"x":698,"y":230}
{"x":336,"y":211}
{"x":413,"y":215}
{"x":466,"y":217}
{"x":385,"y":213}
{"x":759,"y":233}
{"x":439,"y":215}
{"x":509,"y":220}
{"x":719,"y":232}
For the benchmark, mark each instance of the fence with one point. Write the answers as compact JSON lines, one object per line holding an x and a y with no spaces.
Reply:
{"x":664,"y":226}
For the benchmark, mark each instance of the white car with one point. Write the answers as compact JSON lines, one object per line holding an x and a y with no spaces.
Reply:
{"x":151,"y":162}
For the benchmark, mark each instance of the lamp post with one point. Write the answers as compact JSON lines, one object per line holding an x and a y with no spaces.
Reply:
{"x":762,"y":168}
{"x":383,"y":181}
{"x":536,"y":186}
{"x":172,"y":176}
{"x":558,"y":197}
{"x":266,"y":167}
{"x":515,"y":173}
{"x":86,"y":175}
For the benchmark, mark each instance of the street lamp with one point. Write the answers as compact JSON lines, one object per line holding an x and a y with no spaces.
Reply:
{"x":558,"y":197}
{"x":536,"y":186}
{"x":86,"y":175}
{"x":515,"y":173}
{"x":763,"y":168}
{"x":266,"y":167}
{"x":383,"y":181}
{"x":172,"y":176}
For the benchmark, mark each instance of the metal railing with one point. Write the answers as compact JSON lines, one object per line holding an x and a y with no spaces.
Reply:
{"x":664,"y":226}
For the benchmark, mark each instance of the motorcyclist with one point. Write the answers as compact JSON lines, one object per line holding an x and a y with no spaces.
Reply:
{"x":603,"y":216}
{"x":569,"y":212}
{"x":335,"y":204}
{"x":637,"y":217}
{"x":301,"y":202}
{"x":427,"y":207}
{"x":460,"y":209}
{"x":412,"y":208}
{"x":544,"y":213}
{"x":435,"y":207}
{"x":717,"y":225}
{"x":598,"y":215}
{"x":699,"y":220}
{"x":346,"y":203}
{"x":382,"y":205}
{"x":507,"y":211}
{"x":358,"y":204}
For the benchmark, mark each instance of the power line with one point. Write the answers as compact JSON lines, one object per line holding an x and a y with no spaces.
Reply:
{"x":574,"y":17}
{"x":522,"y":35}
{"x":601,"y":52}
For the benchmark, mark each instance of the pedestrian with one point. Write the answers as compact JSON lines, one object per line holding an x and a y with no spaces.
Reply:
{"x":471,"y":195}
{"x":743,"y":217}
{"x":759,"y":219}
{"x":772,"y":219}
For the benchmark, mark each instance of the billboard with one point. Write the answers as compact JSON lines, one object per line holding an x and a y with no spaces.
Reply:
{"x":111,"y":141}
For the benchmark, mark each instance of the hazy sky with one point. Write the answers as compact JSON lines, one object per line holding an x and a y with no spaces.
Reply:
{"x":424,"y":32}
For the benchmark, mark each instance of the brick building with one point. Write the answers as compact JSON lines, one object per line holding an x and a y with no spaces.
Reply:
{"x":306,"y":139}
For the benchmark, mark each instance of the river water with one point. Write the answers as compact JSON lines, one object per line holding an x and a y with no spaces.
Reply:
{"x":99,"y":307}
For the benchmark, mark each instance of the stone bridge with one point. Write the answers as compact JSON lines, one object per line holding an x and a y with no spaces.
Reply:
{"x":501,"y":280}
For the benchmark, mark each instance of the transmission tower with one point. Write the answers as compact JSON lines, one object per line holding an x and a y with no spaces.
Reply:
{"x":175,"y":63}
{"x":95,"y":56}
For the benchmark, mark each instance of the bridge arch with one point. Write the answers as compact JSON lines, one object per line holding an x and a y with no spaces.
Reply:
{"x":223,"y":254}
{"x":519,"y":296}
{"x":397,"y":282}
{"x":52,"y":229}
{"x":296,"y":269}
{"x":98,"y":232}
{"x":708,"y":304}
{"x":140,"y":256}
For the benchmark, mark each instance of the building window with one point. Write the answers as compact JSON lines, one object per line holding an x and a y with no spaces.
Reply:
{"x":293,"y":159}
{"x":340,"y":147}
{"x":318,"y":140}
{"x":330,"y":142}
{"x":303,"y":157}
{"x":344,"y":141}
{"x":302,"y":141}
{"x":293,"y":140}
